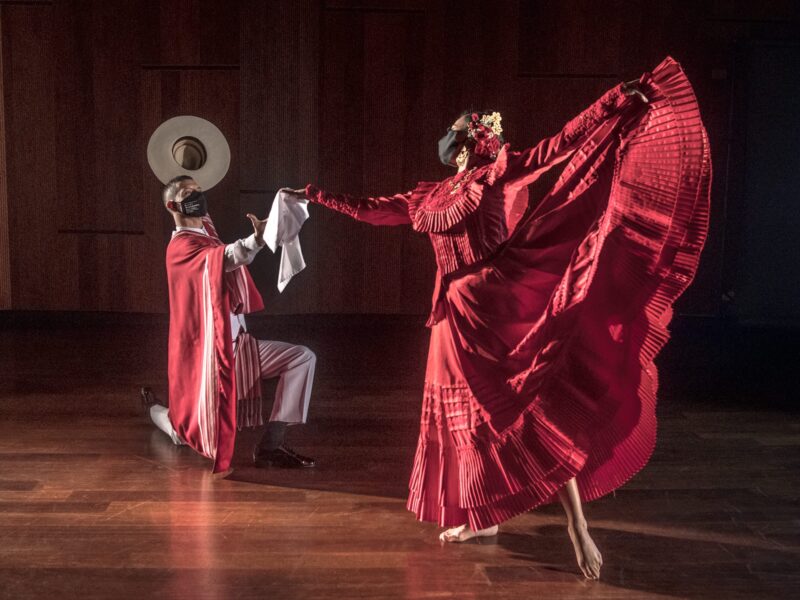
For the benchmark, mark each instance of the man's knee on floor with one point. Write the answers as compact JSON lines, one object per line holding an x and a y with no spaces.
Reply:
{"x":307,"y":355}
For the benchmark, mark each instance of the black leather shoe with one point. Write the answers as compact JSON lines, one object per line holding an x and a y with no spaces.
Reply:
{"x":282,"y":457}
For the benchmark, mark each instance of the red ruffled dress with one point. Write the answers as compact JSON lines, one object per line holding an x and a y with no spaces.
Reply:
{"x":540,"y":366}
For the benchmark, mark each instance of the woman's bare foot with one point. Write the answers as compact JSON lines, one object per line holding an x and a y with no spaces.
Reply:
{"x":589,"y":558}
{"x":462,"y":533}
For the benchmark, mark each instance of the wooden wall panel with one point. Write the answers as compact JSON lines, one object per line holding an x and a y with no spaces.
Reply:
{"x":98,"y":101}
{"x":557,"y":41}
{"x":279,"y":66}
{"x":29,"y":70}
{"x":370,"y":91}
{"x":101,"y":207}
{"x":198,"y":32}
{"x":768,"y":271}
{"x":773,"y":11}
{"x":350,"y":94}
{"x":401,"y":265}
{"x":5,"y":258}
{"x":279,"y":129}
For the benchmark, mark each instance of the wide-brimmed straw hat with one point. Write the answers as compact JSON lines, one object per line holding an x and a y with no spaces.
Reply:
{"x":188,"y":145}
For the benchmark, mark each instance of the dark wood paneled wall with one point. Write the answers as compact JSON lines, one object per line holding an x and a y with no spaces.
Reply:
{"x":5,"y":259}
{"x":350,"y":94}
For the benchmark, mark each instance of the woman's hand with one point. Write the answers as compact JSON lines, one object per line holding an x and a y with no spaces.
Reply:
{"x":631,"y":88}
{"x":259,"y":226}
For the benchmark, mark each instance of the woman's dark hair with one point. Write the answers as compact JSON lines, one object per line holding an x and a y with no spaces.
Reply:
{"x":480,"y":114}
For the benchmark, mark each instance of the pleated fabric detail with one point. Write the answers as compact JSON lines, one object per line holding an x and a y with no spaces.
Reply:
{"x":515,"y":406}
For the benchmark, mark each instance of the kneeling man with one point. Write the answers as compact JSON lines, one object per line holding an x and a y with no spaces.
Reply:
{"x":215,"y":366}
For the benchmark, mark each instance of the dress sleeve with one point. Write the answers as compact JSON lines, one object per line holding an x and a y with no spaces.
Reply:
{"x":381,"y":210}
{"x":524,"y":167}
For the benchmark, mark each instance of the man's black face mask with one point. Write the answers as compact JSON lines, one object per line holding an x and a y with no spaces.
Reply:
{"x":448,"y":144}
{"x":194,"y":205}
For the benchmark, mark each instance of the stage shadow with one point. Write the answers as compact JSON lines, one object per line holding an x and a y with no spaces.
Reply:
{"x":656,"y":564}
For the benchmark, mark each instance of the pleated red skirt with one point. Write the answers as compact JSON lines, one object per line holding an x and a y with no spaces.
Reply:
{"x":542,"y":369}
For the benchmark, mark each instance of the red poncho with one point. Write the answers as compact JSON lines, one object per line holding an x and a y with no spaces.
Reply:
{"x":202,"y":370}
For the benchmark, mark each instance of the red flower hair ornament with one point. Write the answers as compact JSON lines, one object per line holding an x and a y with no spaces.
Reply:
{"x":485,"y":132}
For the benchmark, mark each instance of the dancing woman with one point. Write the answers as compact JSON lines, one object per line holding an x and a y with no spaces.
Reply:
{"x":540,"y":380}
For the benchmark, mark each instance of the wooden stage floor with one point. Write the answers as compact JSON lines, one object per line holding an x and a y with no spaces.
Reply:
{"x":95,"y":503}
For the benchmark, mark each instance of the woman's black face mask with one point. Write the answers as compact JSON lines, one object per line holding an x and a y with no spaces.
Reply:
{"x":448,"y":144}
{"x":194,"y":205}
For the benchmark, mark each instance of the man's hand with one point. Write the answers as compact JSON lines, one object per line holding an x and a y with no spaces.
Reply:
{"x":631,"y":88}
{"x":258,"y":228}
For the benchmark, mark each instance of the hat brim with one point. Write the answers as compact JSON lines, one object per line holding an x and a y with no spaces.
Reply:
{"x":163,"y":164}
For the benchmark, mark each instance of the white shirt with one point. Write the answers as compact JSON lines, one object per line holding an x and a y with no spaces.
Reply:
{"x":239,"y":253}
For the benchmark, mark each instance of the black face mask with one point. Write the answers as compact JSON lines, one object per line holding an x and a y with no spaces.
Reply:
{"x":448,"y":144}
{"x":194,"y":205}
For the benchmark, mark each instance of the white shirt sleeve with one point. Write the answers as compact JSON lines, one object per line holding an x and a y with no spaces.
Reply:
{"x":241,"y":252}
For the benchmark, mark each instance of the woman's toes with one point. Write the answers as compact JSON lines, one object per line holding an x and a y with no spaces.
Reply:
{"x":463,"y":533}
{"x":452,"y":535}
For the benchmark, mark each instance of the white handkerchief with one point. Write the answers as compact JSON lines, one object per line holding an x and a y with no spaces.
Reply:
{"x":286,"y":217}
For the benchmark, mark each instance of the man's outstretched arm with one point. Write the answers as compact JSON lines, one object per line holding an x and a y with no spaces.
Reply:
{"x":243,"y":251}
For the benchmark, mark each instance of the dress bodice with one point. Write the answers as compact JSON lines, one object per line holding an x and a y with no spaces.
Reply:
{"x":464,"y":217}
